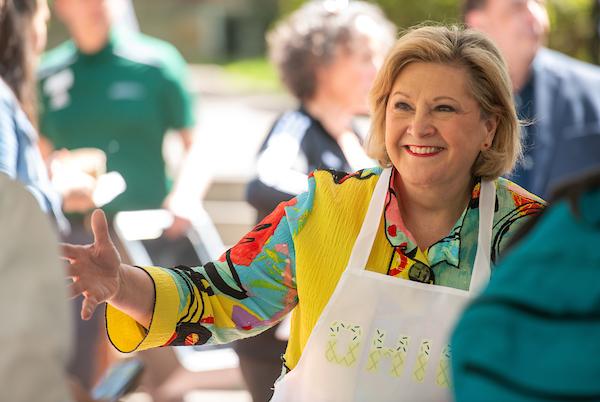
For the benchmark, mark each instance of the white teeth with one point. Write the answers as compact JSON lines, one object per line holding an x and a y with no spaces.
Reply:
{"x":424,"y":150}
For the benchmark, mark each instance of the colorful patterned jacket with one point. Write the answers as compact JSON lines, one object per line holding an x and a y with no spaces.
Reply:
{"x":294,"y":258}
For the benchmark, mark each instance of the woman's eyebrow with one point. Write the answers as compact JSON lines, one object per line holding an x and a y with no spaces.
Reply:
{"x":437,"y":98}
{"x":401,"y":93}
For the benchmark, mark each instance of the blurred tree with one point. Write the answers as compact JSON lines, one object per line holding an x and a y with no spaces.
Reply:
{"x":595,"y":45}
{"x":572,"y":27}
{"x":287,"y":6}
{"x":405,"y":15}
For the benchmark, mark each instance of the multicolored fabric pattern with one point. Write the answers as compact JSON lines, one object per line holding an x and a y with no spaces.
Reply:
{"x":254,"y":284}
{"x":512,"y":204}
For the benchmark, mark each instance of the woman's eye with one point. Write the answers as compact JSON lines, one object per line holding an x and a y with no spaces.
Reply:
{"x":444,"y":108}
{"x":402,"y":106}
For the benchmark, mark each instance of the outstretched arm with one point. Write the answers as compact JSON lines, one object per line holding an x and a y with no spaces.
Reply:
{"x":248,"y":289}
{"x":99,"y":275}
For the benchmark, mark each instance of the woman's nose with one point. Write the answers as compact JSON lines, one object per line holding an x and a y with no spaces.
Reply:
{"x":421,"y":124}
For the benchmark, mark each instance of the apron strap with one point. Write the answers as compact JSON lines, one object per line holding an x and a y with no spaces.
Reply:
{"x":481,"y":271}
{"x":480,"y":275}
{"x":368,"y":231}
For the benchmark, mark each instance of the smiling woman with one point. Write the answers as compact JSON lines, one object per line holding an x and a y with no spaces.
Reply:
{"x":443,"y":116}
{"x":435,"y":131}
{"x":434,"y":127}
{"x":482,"y":76}
{"x":376,"y":264}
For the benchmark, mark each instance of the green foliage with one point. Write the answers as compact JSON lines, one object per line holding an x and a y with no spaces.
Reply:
{"x":572,"y":24}
{"x":287,"y":6}
{"x":409,"y":13}
{"x":184,"y":22}
{"x":572,"y":27}
{"x":256,"y":74}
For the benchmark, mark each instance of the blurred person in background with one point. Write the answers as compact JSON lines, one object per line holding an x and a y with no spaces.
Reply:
{"x":117,"y":91}
{"x":559,"y":95}
{"x":327,"y":54}
{"x":22,"y":39}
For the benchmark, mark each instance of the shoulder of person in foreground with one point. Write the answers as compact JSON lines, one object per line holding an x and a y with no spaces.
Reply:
{"x":32,"y":285}
{"x":538,"y":318}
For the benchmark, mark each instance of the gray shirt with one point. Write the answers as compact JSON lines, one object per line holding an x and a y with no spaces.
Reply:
{"x":35,"y":327}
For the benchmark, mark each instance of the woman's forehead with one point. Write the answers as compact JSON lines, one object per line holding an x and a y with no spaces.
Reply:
{"x":432,"y":78}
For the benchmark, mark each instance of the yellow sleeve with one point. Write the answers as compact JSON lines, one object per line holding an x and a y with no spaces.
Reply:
{"x":127,"y":335}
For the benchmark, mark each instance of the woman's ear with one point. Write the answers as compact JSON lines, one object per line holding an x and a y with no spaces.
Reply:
{"x":491,"y":125}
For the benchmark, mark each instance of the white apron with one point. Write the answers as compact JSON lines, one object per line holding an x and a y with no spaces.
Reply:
{"x":381,"y":338}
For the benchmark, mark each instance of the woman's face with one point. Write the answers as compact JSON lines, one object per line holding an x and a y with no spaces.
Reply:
{"x":39,"y":24}
{"x":348,"y":78}
{"x":434,"y":129}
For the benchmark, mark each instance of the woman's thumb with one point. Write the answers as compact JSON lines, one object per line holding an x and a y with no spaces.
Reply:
{"x":100,"y":227}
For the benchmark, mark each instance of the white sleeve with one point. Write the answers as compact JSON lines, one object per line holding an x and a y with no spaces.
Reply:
{"x":280,"y":165}
{"x":35,"y":333}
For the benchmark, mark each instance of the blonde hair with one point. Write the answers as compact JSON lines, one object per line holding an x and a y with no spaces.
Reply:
{"x":488,"y":82}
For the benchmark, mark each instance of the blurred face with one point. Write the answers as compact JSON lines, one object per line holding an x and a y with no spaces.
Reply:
{"x":434,"y":130}
{"x":348,"y":79}
{"x":85,"y":15}
{"x":518,"y":27}
{"x":39,"y":25}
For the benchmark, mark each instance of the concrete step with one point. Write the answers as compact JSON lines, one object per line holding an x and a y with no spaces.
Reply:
{"x":233,"y":219}
{"x":227,"y":189}
{"x":230,"y":212}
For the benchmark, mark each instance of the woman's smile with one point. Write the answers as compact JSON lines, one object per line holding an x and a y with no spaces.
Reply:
{"x":423,"y":151}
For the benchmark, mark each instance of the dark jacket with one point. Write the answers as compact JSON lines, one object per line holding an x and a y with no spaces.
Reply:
{"x":296,"y":145}
{"x":567,"y":119}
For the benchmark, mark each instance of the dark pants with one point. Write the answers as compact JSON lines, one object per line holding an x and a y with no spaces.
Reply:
{"x":260,"y":362}
{"x":83,"y":361}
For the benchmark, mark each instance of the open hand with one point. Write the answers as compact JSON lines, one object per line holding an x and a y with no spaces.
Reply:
{"x":94,"y":268}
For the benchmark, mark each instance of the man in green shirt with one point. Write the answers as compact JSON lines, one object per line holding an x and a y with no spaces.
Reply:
{"x":118,"y":91}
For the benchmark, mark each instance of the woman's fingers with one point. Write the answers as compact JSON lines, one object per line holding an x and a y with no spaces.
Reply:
{"x":71,"y":251}
{"x":73,"y":270}
{"x":93,"y":267}
{"x":87,"y":309}
{"x":75,"y":289}
{"x":100,"y":228}
{"x":90,"y":299}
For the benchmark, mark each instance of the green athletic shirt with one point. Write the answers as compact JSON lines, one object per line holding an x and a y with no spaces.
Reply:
{"x":122,"y":100}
